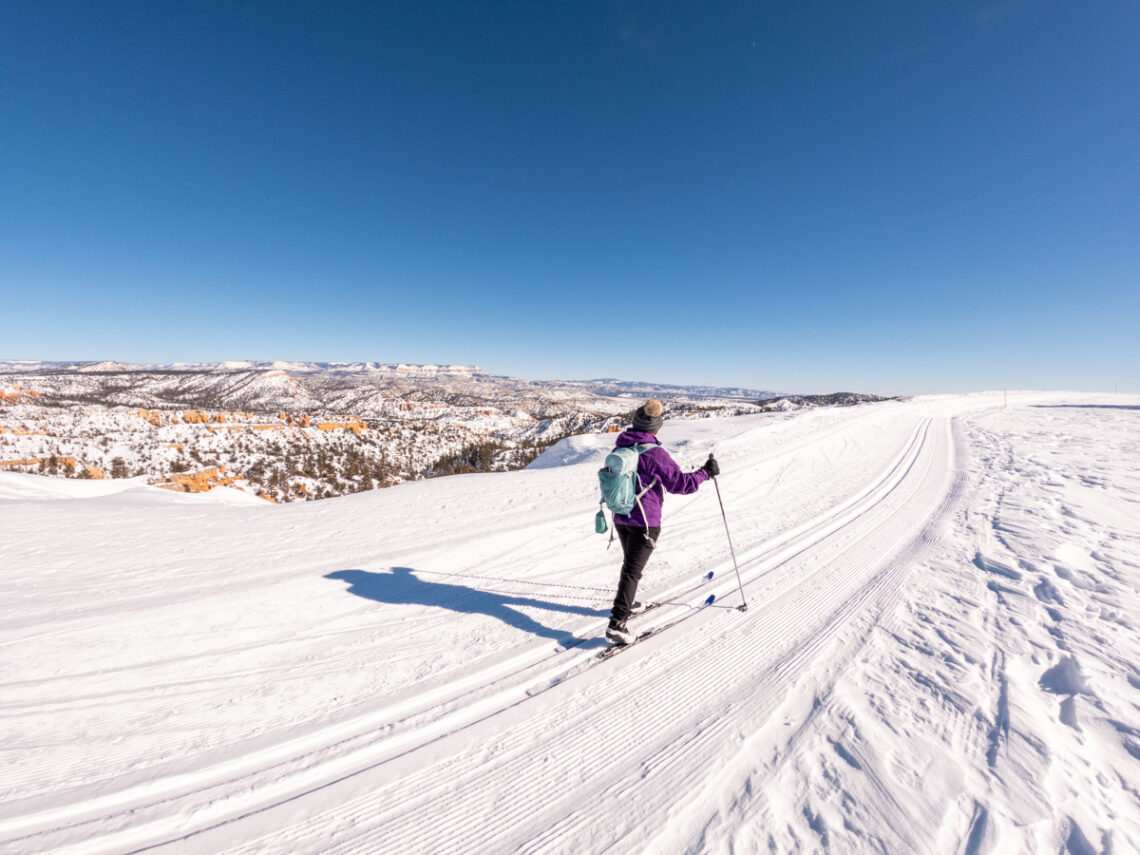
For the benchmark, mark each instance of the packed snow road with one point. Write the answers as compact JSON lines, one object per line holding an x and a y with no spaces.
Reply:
{"x":418,"y":670}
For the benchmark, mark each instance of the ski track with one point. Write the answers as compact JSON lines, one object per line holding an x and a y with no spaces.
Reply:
{"x":392,"y":811}
{"x":764,"y":719}
{"x":676,"y":684}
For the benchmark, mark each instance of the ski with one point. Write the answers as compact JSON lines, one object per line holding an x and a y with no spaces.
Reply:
{"x":656,"y":604}
{"x":607,"y":652}
{"x":589,"y":661}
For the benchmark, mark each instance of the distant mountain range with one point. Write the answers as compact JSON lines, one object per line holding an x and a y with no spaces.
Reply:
{"x":360,"y":388}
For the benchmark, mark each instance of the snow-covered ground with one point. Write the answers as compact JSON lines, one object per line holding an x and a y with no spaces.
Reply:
{"x":940,"y":655}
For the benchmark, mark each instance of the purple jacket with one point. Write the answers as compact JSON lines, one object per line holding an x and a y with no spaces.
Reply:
{"x":655,"y":463}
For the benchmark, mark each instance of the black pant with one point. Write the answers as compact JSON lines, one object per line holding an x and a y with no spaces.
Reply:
{"x":636,"y":548}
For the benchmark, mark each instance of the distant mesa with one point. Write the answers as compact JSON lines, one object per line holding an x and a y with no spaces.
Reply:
{"x":104,"y":366}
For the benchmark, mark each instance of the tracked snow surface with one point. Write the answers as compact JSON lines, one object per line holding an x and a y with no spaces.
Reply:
{"x":941,"y":651}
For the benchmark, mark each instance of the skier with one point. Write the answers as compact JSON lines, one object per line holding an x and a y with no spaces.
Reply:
{"x":639,"y":533}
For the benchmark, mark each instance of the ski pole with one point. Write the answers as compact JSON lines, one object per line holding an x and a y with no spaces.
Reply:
{"x":743,"y":602}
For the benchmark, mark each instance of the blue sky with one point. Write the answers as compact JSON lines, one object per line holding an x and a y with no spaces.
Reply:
{"x":876,"y":196}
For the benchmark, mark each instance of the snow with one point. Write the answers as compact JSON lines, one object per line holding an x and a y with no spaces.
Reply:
{"x":17,"y":486}
{"x":573,"y":450}
{"x":939,"y":653}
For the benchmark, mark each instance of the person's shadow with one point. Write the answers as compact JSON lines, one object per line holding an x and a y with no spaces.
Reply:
{"x":401,"y":586}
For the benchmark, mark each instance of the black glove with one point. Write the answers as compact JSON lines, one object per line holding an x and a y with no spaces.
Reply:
{"x":712,"y":467}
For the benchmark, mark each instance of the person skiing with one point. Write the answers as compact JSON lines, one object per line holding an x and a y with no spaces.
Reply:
{"x":639,"y":530}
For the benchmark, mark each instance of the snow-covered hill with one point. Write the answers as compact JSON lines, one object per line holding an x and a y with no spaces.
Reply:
{"x":939,"y":655}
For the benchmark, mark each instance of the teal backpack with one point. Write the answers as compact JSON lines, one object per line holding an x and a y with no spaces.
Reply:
{"x":620,"y":482}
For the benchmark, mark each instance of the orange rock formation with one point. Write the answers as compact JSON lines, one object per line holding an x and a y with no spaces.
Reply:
{"x":356,"y":427}
{"x":197,"y":482}
{"x":15,"y":393}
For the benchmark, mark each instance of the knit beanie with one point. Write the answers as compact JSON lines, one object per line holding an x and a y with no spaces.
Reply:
{"x":649,"y":416}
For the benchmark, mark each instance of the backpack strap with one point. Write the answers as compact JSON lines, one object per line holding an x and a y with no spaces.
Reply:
{"x":652,"y":542}
{"x":641,"y":449}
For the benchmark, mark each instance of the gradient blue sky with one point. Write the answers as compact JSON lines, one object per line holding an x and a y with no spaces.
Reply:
{"x":876,"y":196}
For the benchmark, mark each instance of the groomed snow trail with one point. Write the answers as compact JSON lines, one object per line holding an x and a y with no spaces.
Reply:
{"x":416,"y":670}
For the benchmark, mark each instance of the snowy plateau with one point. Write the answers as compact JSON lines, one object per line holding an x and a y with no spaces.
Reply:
{"x":940,"y":653}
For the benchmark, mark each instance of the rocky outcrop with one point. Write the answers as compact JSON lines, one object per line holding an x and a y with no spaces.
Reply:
{"x":159,"y":418}
{"x":197,"y":482}
{"x":356,"y":427}
{"x":16,"y":393}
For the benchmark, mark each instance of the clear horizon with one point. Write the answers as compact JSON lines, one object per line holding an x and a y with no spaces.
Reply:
{"x":875,"y":198}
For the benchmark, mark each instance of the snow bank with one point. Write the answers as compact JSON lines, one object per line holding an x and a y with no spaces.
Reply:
{"x":574,"y":450}
{"x":26,"y":487}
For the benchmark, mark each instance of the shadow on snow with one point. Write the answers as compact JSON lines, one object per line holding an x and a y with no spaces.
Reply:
{"x":401,"y":586}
